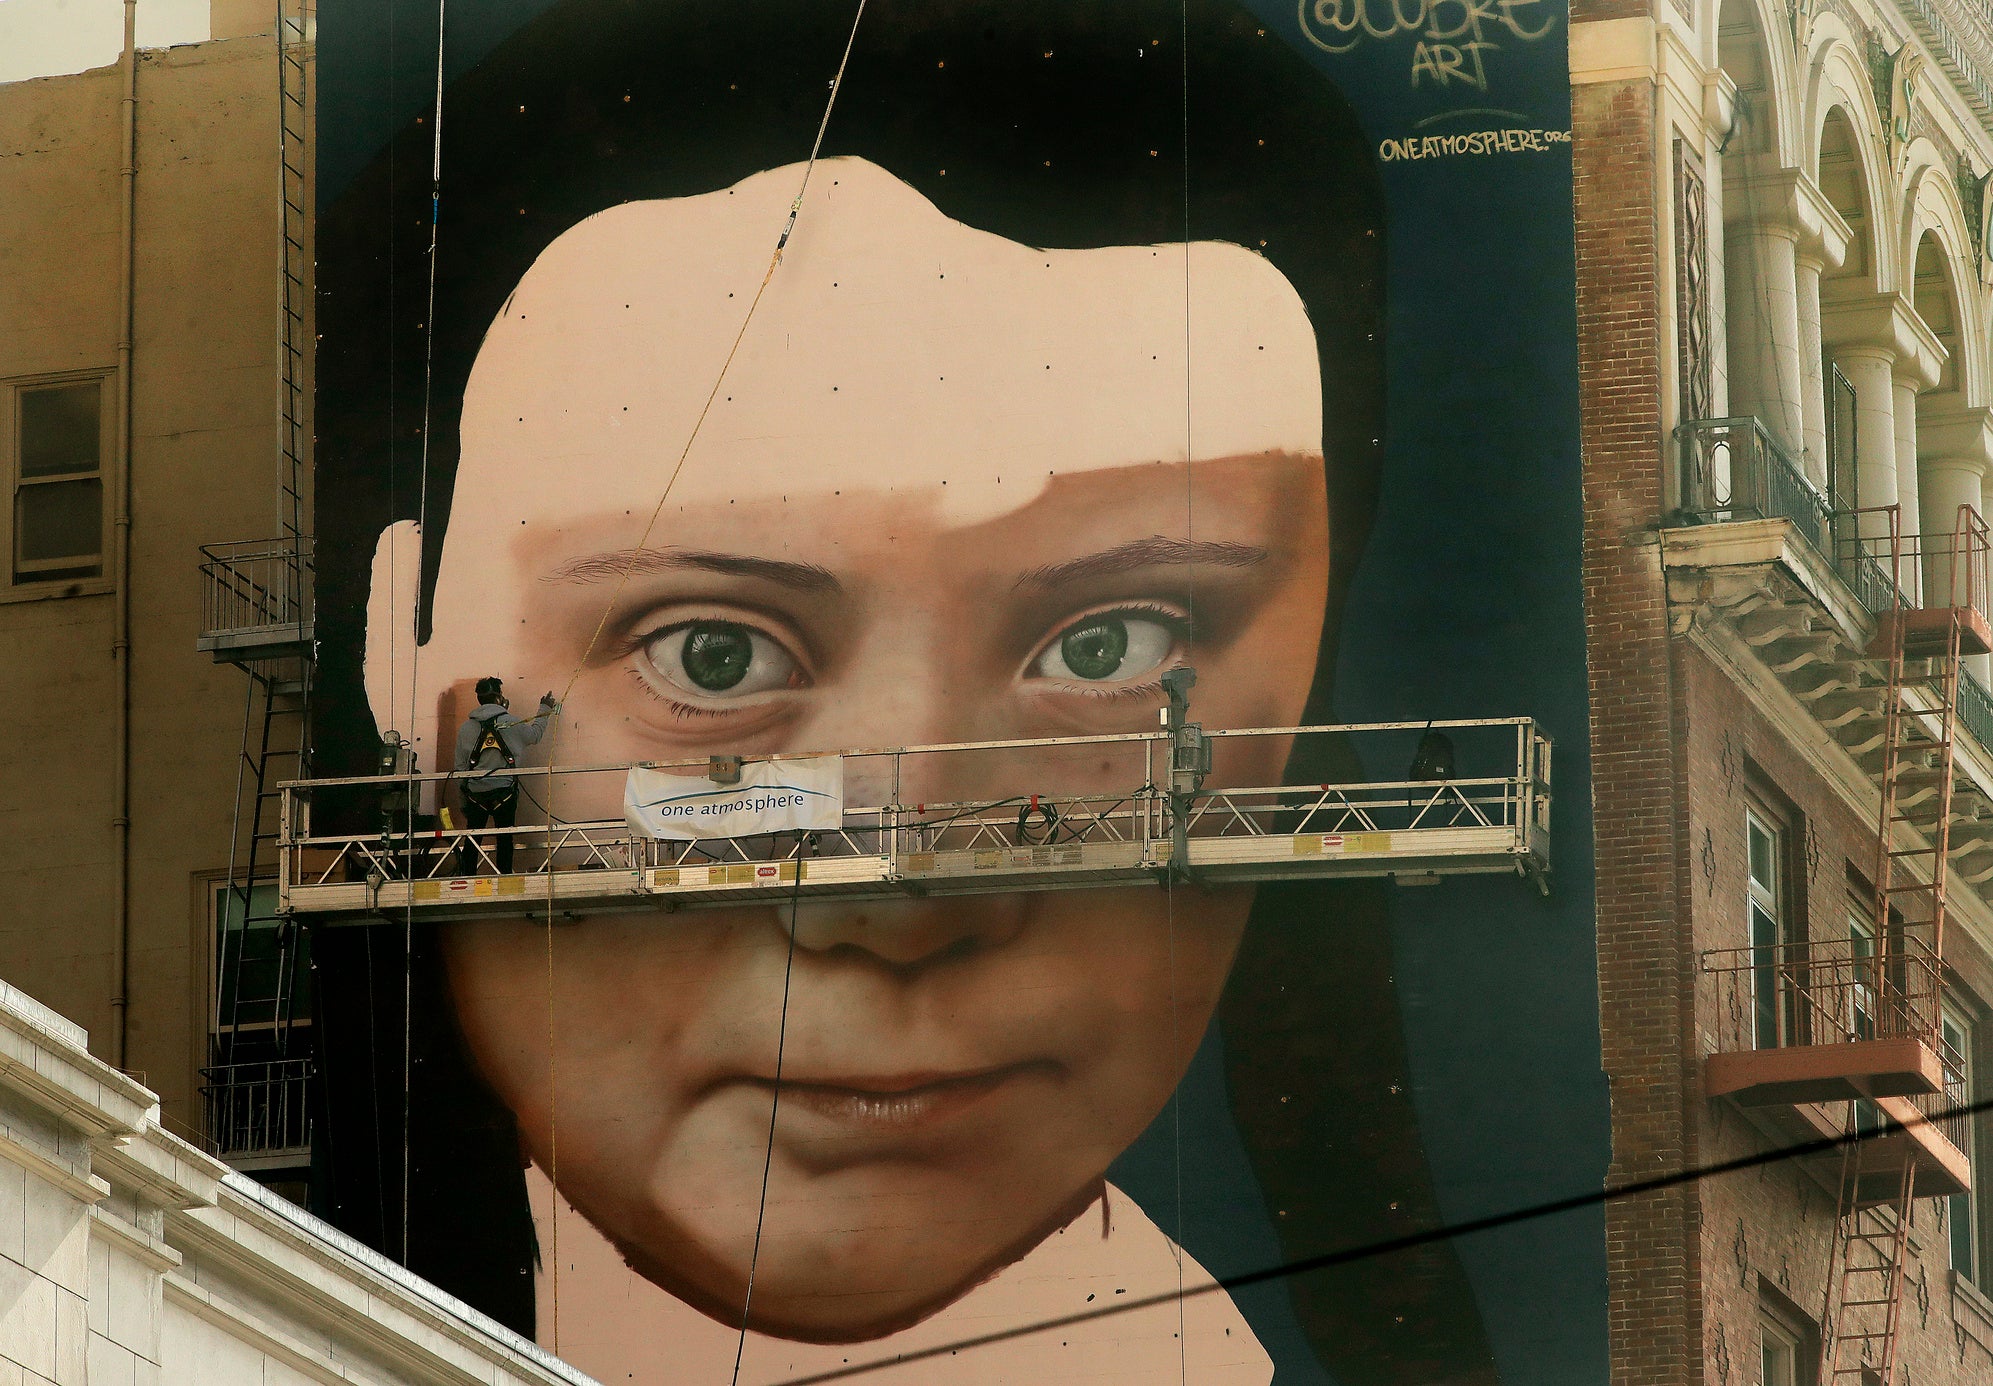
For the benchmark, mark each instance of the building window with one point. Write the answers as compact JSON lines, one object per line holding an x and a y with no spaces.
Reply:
{"x":1766,"y":906}
{"x":1867,"y":981}
{"x":1843,"y":483}
{"x":263,"y":974}
{"x":1962,"y":1212}
{"x":1843,"y":478}
{"x":1778,"y":1354}
{"x":257,"y":1089}
{"x":1864,"y":996}
{"x":57,"y":516}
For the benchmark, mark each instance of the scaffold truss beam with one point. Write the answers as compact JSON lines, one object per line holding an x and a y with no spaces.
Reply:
{"x":1063,"y":813}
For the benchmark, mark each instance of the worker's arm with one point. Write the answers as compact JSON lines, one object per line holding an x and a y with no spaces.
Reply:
{"x":522,"y":733}
{"x":528,"y":732}
{"x":466,"y":741}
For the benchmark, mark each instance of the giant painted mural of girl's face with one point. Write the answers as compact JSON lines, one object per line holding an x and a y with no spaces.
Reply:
{"x":941,"y":496}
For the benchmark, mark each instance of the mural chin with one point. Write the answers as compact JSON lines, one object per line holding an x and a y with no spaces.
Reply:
{"x":828,"y":1281}
{"x":940,"y":1111}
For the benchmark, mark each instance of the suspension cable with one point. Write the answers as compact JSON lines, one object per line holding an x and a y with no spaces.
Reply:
{"x":410,"y":795}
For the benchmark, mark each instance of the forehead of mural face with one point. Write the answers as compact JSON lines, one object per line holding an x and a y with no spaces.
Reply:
{"x":898,"y":361}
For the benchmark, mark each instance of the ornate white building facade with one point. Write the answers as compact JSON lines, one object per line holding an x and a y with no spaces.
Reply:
{"x":130,"y":1258}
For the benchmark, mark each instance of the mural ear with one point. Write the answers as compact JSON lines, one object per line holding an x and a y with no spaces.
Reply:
{"x":392,"y":592}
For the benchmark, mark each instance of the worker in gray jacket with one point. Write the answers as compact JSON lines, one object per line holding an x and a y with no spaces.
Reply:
{"x":490,"y":743}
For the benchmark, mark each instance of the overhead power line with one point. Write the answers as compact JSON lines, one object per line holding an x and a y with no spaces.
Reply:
{"x":1367,"y":1251}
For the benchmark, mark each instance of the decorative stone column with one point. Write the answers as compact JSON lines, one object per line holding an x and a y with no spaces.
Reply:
{"x":1888,"y":355}
{"x":1780,"y":234}
{"x":1944,"y":486}
{"x":1761,"y":304}
{"x":1812,"y":371}
{"x":1871,"y":370}
{"x":1907,"y":500}
{"x":1957,"y":447}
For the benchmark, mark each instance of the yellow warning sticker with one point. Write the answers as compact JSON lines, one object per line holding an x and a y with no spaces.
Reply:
{"x":1315,"y":844}
{"x":920,"y":861}
{"x":468,"y":888}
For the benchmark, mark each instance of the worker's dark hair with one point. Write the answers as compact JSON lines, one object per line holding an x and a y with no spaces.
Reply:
{"x":489,"y":690}
{"x":1054,"y":123}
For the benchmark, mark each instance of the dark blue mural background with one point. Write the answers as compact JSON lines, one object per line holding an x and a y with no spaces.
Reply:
{"x":1468,"y":605}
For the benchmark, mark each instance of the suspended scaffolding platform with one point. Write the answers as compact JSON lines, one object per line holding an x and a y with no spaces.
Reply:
{"x":1055,"y":813}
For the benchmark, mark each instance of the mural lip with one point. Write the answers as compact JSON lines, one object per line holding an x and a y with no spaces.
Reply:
{"x":897,"y":1103}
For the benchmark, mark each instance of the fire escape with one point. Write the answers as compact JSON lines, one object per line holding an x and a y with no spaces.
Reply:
{"x":257,"y":616}
{"x":1843,"y":1037}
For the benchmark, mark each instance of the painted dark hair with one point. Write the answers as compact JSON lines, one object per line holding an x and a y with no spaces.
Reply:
{"x":1050,"y":122}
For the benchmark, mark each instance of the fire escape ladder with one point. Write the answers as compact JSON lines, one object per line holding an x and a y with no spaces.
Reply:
{"x":275,"y":747}
{"x":257,"y":615}
{"x":1871,"y":1247}
{"x":294,"y":267}
{"x":1920,"y":651}
{"x":259,"y":1053}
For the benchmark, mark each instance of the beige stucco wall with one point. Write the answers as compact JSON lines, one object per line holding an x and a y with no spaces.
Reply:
{"x":203,"y":470}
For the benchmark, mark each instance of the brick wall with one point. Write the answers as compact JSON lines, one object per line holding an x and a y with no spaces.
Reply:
{"x":1767,"y":1231}
{"x":1654,"y":1327}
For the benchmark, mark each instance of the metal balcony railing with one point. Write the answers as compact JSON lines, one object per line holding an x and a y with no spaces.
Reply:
{"x":1975,"y":710}
{"x":256,"y":596}
{"x":1945,"y":568}
{"x":1839,"y":991}
{"x":1734,"y":469}
{"x":260,"y":1108}
{"x":1833,"y":991}
{"x":1946,"y":1109}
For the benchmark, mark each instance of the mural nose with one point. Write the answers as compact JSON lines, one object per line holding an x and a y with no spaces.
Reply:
{"x":911,"y":933}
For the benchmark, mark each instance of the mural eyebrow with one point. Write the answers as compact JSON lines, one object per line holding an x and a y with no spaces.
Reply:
{"x":1144,"y":553}
{"x":607,"y":567}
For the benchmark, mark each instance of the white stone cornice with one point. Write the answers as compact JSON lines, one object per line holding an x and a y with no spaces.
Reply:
{"x":163,"y":1168}
{"x":43,"y":1065}
{"x":1719,"y":105}
{"x":1955,"y":435}
{"x":1884,"y":323}
{"x":172,"y":1232}
{"x":1785,"y":201}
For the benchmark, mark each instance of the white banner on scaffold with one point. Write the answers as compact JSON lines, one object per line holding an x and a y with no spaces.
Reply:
{"x":773,"y":796}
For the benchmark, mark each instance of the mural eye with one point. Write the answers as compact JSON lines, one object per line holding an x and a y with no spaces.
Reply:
{"x":1112,"y":647}
{"x":720,"y":659}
